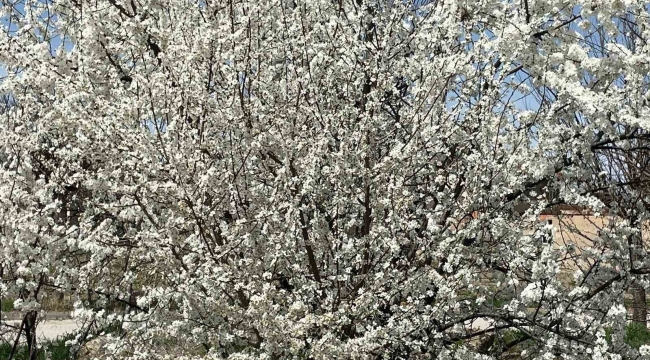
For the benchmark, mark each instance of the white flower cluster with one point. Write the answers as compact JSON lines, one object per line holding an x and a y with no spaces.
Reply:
{"x":317,"y":179}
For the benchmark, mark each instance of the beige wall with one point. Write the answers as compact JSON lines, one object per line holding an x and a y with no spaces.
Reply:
{"x":582,"y":231}
{"x":577,"y":229}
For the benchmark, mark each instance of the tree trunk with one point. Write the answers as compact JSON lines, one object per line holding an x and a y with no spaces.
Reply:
{"x":639,"y":308}
{"x":30,"y":333}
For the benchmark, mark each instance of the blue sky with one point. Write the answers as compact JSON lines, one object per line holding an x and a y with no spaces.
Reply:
{"x":520,"y":100}
{"x":11,"y":28}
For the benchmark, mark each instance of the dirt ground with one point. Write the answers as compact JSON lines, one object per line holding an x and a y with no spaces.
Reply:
{"x":47,"y":330}
{"x":52,"y":329}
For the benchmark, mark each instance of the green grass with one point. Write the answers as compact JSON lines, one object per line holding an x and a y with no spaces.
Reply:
{"x":57,"y":349}
{"x":496,"y":302}
{"x":637,"y":335}
{"x":7,"y":304}
{"x":512,"y":335}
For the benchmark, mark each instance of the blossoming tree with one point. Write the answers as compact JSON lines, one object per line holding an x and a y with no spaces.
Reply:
{"x":322,"y":179}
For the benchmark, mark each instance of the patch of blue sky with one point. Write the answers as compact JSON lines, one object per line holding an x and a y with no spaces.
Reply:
{"x":47,"y":32}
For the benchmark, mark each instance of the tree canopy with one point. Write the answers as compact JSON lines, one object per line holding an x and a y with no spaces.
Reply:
{"x":326,"y":179}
